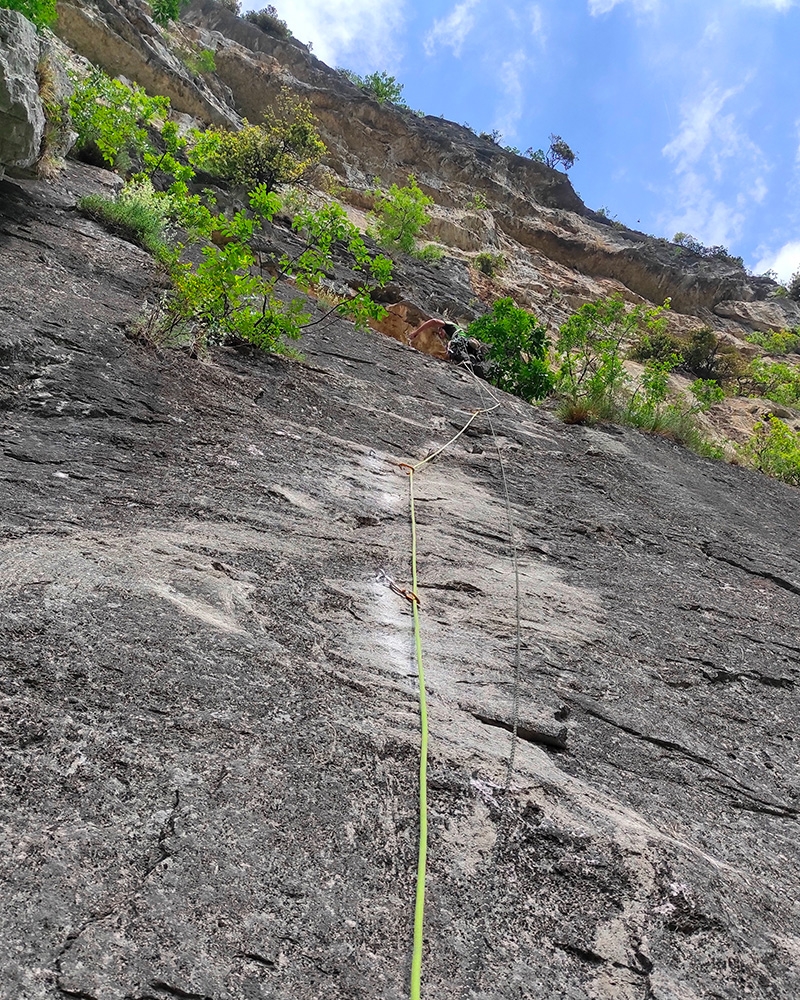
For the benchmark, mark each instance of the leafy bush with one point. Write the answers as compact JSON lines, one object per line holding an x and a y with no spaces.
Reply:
{"x":793,"y":288}
{"x":658,"y":345}
{"x":231,"y":292}
{"x":518,"y":349}
{"x":277,"y":152}
{"x":267,"y":19}
{"x":590,"y":345}
{"x":199,"y":62}
{"x":489,"y":263}
{"x":41,"y":12}
{"x":111,"y":118}
{"x":138,"y":214}
{"x":400,"y":215}
{"x":165,"y":11}
{"x":232,"y":5}
{"x":696,"y":247}
{"x":707,"y":357}
{"x":478,"y":202}
{"x":594,"y":383}
{"x":774,"y":449}
{"x":381,"y":86}
{"x":775,"y":380}
{"x":777,"y":342}
{"x":430,"y":253}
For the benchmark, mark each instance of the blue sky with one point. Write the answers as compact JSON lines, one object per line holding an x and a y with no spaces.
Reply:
{"x":685,"y":114}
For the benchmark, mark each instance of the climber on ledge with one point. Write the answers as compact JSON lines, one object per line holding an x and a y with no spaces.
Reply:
{"x":431,"y":337}
{"x":442,"y":339}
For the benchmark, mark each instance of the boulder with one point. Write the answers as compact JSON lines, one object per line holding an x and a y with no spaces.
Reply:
{"x":777,"y":314}
{"x":21,"y":112}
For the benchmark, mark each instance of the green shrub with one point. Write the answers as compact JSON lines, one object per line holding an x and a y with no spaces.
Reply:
{"x":658,"y":345}
{"x":707,"y":357}
{"x":234,"y":6}
{"x":400,"y":214}
{"x":199,"y":62}
{"x":111,"y":118}
{"x":478,"y":202}
{"x":138,"y":214}
{"x":489,"y":263}
{"x":231,"y":292}
{"x":165,"y":11}
{"x":590,"y":345}
{"x":696,"y":247}
{"x":774,"y":449}
{"x":518,"y":350}
{"x":777,"y":342}
{"x":41,"y":12}
{"x":775,"y":380}
{"x":594,"y":384}
{"x":430,"y":253}
{"x":276,"y":152}
{"x":267,"y":19}
{"x":793,"y":288}
{"x":381,"y":86}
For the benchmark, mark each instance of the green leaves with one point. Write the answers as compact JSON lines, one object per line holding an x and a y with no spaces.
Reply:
{"x":276,"y":152}
{"x":774,"y":449}
{"x":113,"y":117}
{"x":381,"y":86}
{"x":400,"y":215}
{"x":41,"y":12}
{"x":775,"y":380}
{"x":165,"y":11}
{"x":590,"y":343}
{"x":518,"y":349}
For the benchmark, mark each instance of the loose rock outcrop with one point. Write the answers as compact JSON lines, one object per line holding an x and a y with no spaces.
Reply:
{"x":21,"y":112}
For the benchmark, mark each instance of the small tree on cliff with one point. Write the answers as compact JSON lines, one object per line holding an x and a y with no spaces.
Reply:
{"x":276,"y":152}
{"x":400,"y":214}
{"x":558,"y":154}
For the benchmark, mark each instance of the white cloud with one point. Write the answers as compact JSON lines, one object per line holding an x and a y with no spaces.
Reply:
{"x":453,"y":29}
{"x":537,"y":22}
{"x":702,"y":126}
{"x":779,"y":5}
{"x":511,"y":73}
{"x":597,"y":7}
{"x":719,"y":171}
{"x":361,"y":30}
{"x":702,"y":213}
{"x":785,"y":260}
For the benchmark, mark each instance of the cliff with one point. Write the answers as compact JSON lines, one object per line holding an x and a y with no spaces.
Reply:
{"x":209,"y":701}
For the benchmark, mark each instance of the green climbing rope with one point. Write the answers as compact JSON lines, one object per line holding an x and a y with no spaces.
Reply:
{"x":419,"y":908}
{"x":422,"y":858}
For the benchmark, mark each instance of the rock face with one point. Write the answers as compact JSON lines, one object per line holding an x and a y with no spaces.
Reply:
{"x":209,"y":716}
{"x":21,"y":112}
{"x":120,"y":37}
{"x":532,"y":205}
{"x":778,"y":314}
